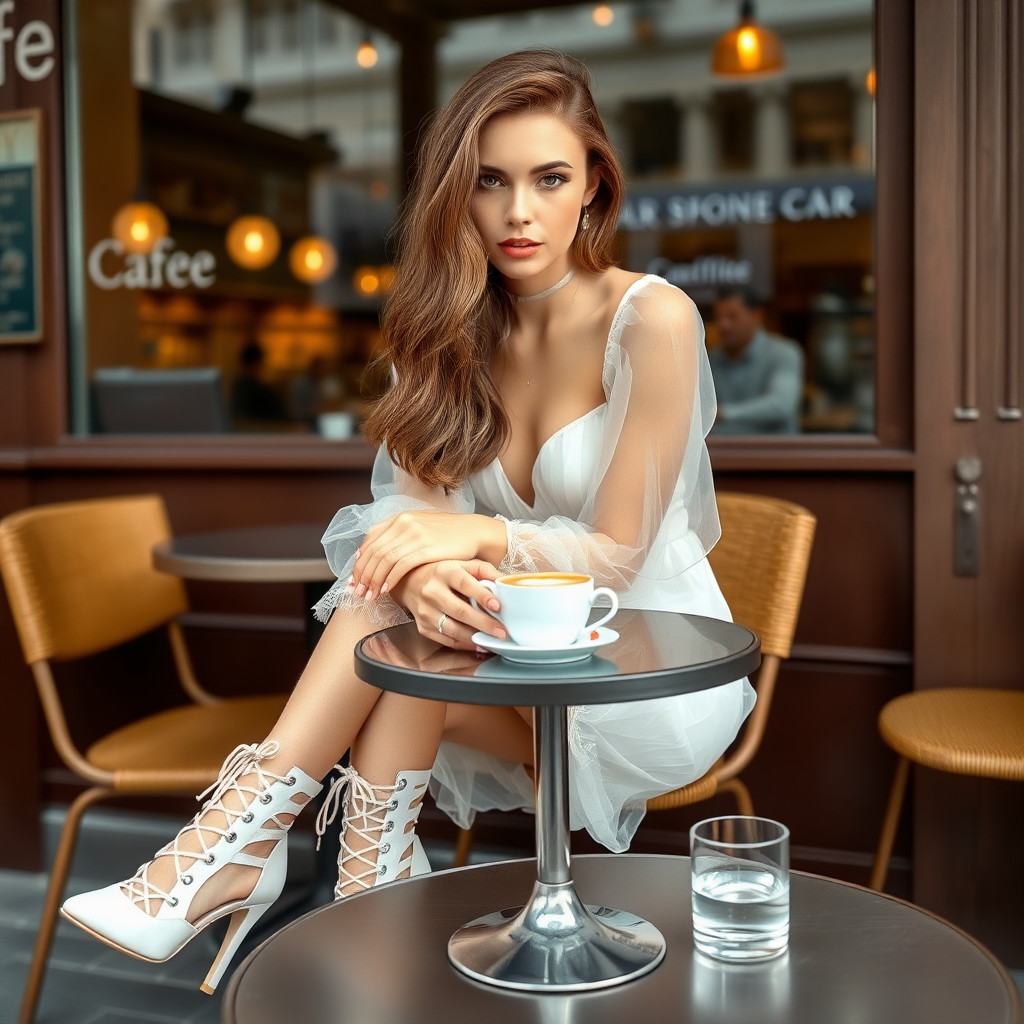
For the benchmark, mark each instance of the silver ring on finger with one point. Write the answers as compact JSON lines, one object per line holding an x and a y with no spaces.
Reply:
{"x":440,"y":623}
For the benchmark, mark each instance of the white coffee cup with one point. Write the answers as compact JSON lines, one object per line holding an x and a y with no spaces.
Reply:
{"x":547,"y":609}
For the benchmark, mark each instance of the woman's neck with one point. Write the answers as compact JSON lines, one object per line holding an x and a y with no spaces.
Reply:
{"x":544,"y":297}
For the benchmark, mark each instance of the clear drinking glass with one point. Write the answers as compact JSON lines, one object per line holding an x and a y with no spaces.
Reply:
{"x":740,"y":887}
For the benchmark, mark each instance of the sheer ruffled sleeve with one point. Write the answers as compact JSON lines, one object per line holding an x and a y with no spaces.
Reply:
{"x":650,"y":509}
{"x":393,"y":491}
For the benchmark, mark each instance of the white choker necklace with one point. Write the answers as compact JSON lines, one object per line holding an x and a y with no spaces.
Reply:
{"x":547,"y":291}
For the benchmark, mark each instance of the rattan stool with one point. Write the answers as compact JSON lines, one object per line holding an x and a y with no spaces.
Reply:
{"x":965,"y":731}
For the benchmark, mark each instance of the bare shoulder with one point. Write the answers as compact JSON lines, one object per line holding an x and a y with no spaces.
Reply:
{"x":664,"y":307}
{"x":615,"y":282}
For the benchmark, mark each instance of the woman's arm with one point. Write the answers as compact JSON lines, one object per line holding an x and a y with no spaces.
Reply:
{"x":411,"y":539}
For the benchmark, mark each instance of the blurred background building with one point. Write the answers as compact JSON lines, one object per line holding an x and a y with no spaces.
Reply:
{"x":289,"y":109}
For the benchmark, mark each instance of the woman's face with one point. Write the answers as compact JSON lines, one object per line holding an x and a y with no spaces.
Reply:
{"x":530,"y":192}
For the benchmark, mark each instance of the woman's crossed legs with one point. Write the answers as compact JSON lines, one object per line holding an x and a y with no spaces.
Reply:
{"x":332,"y":710}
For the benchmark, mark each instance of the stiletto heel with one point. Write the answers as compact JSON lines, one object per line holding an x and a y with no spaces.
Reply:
{"x":119,"y":914}
{"x":241,"y":924}
{"x":386,"y":826}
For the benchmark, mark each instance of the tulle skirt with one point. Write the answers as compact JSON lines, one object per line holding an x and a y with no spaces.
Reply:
{"x":620,"y":755}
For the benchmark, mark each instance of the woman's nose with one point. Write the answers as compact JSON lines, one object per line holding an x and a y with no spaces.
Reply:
{"x":519,"y":211}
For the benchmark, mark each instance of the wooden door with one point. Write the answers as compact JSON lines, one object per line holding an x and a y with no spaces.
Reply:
{"x":969,"y":833}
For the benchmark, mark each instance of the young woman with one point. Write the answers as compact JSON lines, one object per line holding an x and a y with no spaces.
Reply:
{"x":547,"y":412}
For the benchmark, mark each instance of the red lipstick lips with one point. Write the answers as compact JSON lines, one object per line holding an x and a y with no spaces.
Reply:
{"x":519,"y":248}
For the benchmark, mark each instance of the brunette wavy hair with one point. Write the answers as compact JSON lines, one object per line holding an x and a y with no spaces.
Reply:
{"x":443,"y":419}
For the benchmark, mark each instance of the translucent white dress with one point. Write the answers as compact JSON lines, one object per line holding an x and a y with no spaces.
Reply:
{"x":625,"y":494}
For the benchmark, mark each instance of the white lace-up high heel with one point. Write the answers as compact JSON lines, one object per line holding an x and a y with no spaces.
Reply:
{"x":385,"y":825}
{"x":119,"y":914}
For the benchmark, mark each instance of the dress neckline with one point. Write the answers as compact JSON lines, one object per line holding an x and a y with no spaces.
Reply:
{"x":579,"y":419}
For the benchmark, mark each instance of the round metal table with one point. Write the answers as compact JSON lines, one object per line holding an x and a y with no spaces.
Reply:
{"x":855,"y":956}
{"x":291,"y":553}
{"x":556,"y":943}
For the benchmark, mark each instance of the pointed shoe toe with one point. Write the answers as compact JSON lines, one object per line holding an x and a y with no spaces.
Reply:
{"x":112,"y":917}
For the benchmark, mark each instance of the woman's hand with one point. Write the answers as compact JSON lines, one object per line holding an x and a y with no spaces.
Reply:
{"x":411,"y":539}
{"x":443,"y":588}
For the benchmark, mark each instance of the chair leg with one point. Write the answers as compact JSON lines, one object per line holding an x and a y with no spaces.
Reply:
{"x":54,"y":892}
{"x":744,"y":804}
{"x":892,"y":818}
{"x":464,"y":846}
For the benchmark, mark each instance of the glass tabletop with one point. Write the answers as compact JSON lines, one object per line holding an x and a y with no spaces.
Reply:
{"x":657,"y":654}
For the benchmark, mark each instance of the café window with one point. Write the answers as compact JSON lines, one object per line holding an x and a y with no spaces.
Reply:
{"x":756,"y":197}
{"x":231,"y":211}
{"x":734,"y":114}
{"x":653,"y":127}
{"x":822,"y":115}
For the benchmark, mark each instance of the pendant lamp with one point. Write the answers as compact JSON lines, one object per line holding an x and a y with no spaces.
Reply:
{"x":748,"y":49}
{"x":138,"y":226}
{"x":253,"y":242}
{"x":366,"y":55}
{"x":312,"y":259}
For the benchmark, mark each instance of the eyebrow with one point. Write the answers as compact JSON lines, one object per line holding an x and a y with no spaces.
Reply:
{"x":487,"y":168}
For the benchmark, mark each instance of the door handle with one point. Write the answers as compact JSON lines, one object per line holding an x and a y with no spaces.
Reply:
{"x":967,"y":521}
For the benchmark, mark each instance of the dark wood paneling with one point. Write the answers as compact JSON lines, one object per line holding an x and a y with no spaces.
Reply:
{"x":894,"y":225}
{"x":20,"y":804}
{"x":967,"y":630}
{"x":858,"y":591}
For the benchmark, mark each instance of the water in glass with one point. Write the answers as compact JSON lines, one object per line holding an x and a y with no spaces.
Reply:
{"x":740,"y":886}
{"x":740,"y":910}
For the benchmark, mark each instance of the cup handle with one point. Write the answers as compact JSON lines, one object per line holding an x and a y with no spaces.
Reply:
{"x":612,"y":612}
{"x":488,"y":585}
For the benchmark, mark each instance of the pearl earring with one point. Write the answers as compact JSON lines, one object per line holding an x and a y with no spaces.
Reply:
{"x":586,"y":219}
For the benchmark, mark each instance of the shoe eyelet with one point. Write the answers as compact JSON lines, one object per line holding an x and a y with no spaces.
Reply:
{"x":186,"y":879}
{"x":382,"y":870}
{"x":389,"y":826}
{"x":393,"y":805}
{"x":266,"y":798}
{"x":402,"y":783}
{"x":247,"y":817}
{"x":386,"y":848}
{"x":290,"y":781}
{"x":173,"y":901}
{"x":231,"y":837}
{"x":210,"y":859}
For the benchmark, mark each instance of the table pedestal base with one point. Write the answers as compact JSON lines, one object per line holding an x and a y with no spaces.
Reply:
{"x":557,"y":944}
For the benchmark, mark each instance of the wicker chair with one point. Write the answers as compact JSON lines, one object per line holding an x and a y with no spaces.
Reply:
{"x":79,"y":579}
{"x":761,"y":564}
{"x":964,"y":731}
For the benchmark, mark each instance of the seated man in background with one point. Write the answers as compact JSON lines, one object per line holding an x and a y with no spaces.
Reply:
{"x":759,"y":377}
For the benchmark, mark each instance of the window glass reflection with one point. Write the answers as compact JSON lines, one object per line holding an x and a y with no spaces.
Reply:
{"x":755,"y":194}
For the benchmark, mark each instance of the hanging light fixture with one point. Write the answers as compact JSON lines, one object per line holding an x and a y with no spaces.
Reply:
{"x":312,"y":259}
{"x":870,"y":82}
{"x":366,"y":55}
{"x":253,"y":242}
{"x":603,"y":15}
{"x":366,"y":281}
{"x":138,"y":226}
{"x":747,"y":49}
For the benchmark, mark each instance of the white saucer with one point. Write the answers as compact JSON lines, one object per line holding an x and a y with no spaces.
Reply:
{"x":545,"y":655}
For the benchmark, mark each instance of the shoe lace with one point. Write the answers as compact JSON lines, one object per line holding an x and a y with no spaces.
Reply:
{"x":244,"y":760}
{"x":361,"y":804}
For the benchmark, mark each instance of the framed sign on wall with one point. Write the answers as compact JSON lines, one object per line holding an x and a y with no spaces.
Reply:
{"x":21,"y":309}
